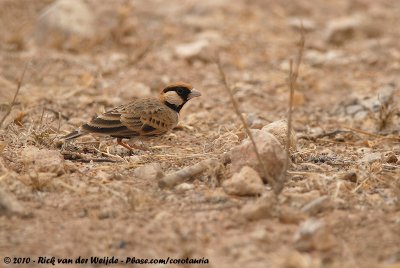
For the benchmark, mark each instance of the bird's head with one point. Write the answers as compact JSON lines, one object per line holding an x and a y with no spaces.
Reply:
{"x":177,"y":94}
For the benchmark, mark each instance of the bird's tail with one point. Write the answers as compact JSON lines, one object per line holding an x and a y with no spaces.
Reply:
{"x":73,"y":135}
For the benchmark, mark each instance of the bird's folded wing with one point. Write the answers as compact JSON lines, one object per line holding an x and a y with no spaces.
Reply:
{"x":139,"y":118}
{"x":109,"y":123}
{"x":155,"y":120}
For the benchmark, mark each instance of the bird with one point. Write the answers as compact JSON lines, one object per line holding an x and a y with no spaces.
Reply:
{"x":140,"y":117}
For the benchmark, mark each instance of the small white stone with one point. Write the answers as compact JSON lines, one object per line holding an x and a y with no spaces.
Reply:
{"x":189,"y":50}
{"x":371,"y":157}
{"x":183,"y":187}
{"x":150,"y":171}
{"x":353,"y":109}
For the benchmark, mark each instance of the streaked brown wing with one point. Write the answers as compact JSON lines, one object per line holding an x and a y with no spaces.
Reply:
{"x":109,"y":123}
{"x":153,"y":118}
{"x":145,"y":117}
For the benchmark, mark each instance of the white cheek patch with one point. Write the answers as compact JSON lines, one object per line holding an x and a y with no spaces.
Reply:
{"x":173,"y":98}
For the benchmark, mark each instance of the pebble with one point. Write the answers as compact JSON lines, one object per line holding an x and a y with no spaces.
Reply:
{"x":341,"y":30}
{"x":190,"y":50}
{"x":370,"y":157}
{"x":246,"y":182}
{"x":152,"y":171}
{"x":183,"y":187}
{"x":279,"y":130}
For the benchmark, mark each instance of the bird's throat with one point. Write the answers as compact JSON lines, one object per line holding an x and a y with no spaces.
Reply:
{"x":173,"y":106}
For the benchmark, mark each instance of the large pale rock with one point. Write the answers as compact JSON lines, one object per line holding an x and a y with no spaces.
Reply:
{"x":42,"y":160}
{"x":65,"y":23}
{"x":271,"y":151}
{"x":279,"y":130}
{"x":246,"y":182}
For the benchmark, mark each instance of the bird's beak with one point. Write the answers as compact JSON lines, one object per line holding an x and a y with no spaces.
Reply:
{"x":193,"y":94}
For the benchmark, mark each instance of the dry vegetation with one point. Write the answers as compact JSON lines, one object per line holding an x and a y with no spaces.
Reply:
{"x":340,"y":206}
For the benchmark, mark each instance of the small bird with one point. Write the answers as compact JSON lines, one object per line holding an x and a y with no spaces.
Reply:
{"x":141,"y":117}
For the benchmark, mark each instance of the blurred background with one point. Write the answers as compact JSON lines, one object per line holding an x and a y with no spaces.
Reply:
{"x":105,"y":52}
{"x":122,"y":49}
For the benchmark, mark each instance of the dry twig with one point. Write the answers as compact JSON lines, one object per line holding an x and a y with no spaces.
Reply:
{"x":84,"y":159}
{"x":363,"y":132}
{"x":15,"y":95}
{"x":186,"y":173}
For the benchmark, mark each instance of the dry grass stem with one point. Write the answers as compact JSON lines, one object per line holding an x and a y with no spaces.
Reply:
{"x":117,"y":157}
{"x":15,"y":95}
{"x":292,"y":85}
{"x":371,"y":134}
{"x":79,"y":157}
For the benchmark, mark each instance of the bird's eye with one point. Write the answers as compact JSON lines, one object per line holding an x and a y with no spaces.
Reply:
{"x":179,"y":90}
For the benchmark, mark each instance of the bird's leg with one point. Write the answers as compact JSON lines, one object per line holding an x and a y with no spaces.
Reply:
{"x":130,"y":147}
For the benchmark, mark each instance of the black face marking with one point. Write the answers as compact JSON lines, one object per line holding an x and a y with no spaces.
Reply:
{"x":182,"y":91}
{"x":174,"y":107}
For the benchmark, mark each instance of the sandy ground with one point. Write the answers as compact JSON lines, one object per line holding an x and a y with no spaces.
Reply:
{"x":85,"y":198}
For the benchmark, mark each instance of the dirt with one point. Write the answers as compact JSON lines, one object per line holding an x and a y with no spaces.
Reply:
{"x":340,"y":205}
